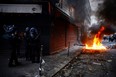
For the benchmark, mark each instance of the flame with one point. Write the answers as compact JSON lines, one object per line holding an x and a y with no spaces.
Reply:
{"x":97,"y":45}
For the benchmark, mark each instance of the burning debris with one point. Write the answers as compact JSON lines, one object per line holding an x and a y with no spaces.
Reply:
{"x":96,"y":43}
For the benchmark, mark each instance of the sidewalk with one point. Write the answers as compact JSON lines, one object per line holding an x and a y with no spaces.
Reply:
{"x":53,"y":63}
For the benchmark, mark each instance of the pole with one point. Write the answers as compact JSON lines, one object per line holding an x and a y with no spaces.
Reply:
{"x":68,"y":49}
{"x":40,"y":67}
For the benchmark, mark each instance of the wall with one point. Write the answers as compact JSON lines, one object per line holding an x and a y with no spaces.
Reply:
{"x":22,"y":20}
{"x":62,"y":32}
{"x":71,"y":34}
{"x":58,"y":34}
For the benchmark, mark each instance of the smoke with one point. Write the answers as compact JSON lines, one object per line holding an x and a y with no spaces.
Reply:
{"x":108,"y":11}
{"x":109,"y":29}
{"x":78,"y":6}
{"x":94,"y":29}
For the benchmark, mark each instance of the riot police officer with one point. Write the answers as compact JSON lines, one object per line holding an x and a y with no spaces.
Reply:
{"x":27,"y":43}
{"x":34,"y":38}
{"x":15,"y":48}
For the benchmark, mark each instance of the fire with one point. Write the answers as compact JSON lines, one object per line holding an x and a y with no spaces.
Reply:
{"x":97,"y":45}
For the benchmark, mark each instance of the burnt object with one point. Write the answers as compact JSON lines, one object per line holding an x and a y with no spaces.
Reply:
{"x":92,"y":51}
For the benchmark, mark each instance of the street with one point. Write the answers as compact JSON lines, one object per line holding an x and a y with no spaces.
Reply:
{"x":91,"y":65}
{"x":58,"y":38}
{"x":83,"y":65}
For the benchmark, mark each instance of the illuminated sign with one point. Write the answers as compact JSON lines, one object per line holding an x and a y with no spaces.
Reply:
{"x":20,"y":8}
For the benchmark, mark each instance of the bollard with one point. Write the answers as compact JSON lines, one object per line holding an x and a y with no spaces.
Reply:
{"x":68,"y":49}
{"x":40,"y":67}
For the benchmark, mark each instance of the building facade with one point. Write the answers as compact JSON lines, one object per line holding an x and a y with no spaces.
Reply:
{"x":61,"y":25}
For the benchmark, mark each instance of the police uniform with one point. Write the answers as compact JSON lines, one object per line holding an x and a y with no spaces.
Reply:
{"x":15,"y":48}
{"x":27,"y":43}
{"x":34,"y":44}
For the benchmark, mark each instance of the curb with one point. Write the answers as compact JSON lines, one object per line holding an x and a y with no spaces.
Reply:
{"x":77,"y":54}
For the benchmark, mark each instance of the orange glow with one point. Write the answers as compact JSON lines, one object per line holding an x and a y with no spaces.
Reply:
{"x":97,"y":45}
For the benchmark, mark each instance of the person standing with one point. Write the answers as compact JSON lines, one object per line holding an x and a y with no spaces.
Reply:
{"x":15,"y":48}
{"x":27,"y":43}
{"x":34,"y":35}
